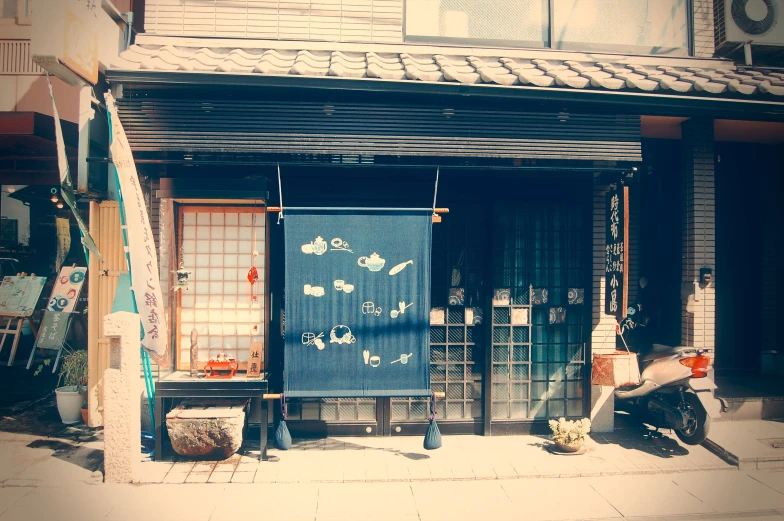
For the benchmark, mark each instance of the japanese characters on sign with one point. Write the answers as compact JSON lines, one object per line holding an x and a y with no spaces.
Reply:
{"x":255,"y":363}
{"x":142,"y":256}
{"x":53,"y":330}
{"x":615,"y":252}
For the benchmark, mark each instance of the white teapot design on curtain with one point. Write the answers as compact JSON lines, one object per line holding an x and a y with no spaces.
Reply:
{"x":373,"y":263}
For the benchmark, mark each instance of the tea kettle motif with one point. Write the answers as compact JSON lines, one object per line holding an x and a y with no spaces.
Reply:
{"x":373,"y":263}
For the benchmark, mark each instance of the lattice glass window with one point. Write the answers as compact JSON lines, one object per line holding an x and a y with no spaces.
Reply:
{"x":537,"y":366}
{"x":332,"y":409}
{"x":455,"y":339}
{"x":216,"y":246}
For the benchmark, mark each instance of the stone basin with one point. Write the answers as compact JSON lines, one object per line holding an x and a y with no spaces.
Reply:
{"x":207,"y":428}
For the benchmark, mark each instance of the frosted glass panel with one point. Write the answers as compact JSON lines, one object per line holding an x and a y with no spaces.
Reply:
{"x":505,"y":20}
{"x":217,"y":248}
{"x":660,"y":25}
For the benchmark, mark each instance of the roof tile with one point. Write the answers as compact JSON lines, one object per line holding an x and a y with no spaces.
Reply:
{"x":647,"y":76}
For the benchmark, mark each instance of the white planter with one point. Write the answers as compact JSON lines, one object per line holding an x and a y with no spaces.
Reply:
{"x":69,"y":404}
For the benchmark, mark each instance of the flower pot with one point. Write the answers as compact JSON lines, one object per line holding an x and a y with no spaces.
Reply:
{"x":69,"y":403}
{"x":84,"y":415}
{"x":569,"y":447}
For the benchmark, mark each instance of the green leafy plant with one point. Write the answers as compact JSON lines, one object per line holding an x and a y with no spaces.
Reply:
{"x":569,"y":432}
{"x":73,"y":371}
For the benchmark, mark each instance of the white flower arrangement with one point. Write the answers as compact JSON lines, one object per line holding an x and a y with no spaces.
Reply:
{"x":570,"y":432}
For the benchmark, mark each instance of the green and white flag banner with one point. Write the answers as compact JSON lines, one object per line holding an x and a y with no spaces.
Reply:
{"x":66,"y":188}
{"x":140,"y":248}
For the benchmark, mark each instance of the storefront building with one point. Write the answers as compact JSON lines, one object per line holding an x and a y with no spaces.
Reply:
{"x":232,"y":112}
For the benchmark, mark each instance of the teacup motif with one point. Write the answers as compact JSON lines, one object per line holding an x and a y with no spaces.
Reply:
{"x":313,"y":291}
{"x":373,"y":263}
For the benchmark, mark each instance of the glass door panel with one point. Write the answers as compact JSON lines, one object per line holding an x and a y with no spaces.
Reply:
{"x":538,"y":344}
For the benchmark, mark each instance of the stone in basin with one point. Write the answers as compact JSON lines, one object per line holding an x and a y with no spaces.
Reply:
{"x":199,"y":428}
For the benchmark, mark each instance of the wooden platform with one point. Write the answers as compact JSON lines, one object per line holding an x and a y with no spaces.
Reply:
{"x":196,"y":409}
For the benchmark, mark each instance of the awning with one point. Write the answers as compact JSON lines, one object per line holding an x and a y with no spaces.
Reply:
{"x":28,"y":149}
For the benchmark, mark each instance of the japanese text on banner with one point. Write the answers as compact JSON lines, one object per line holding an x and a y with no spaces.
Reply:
{"x":141,"y":252}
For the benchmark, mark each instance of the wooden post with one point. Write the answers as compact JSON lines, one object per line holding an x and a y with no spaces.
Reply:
{"x":625,"y":296}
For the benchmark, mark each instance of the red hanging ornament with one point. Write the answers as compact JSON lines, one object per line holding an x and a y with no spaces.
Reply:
{"x":253,"y":276}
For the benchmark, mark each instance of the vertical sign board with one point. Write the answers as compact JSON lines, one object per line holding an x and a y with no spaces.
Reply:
{"x":616,"y":254}
{"x":357,"y":303}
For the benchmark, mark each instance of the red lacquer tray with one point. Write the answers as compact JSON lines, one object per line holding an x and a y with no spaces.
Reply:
{"x":216,"y":369}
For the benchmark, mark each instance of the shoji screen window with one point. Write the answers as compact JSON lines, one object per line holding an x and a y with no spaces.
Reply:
{"x":217,"y":246}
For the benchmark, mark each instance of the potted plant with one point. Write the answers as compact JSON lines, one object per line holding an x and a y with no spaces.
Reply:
{"x":71,"y":394}
{"x":569,"y":435}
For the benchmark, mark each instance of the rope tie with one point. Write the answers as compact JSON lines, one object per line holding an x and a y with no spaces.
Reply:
{"x":435,"y":194}
{"x":284,"y":408}
{"x":280,"y":194}
{"x":432,"y":406}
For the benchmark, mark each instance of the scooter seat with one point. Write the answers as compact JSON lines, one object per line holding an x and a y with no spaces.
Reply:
{"x":663,"y":351}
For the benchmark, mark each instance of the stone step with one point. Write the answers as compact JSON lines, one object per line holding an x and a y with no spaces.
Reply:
{"x":753,"y":408}
{"x":749,"y":444}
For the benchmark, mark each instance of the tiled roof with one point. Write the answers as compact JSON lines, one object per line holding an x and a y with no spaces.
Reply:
{"x":713,"y":78}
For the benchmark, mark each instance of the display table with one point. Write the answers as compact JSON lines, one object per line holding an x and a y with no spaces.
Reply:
{"x":179,"y":385}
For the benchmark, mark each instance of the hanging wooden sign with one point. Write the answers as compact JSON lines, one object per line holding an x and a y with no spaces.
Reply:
{"x":255,"y":363}
{"x":616,"y":276}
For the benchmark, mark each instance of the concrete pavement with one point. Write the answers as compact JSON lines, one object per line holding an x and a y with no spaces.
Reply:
{"x":51,"y":472}
{"x":693,"y":495}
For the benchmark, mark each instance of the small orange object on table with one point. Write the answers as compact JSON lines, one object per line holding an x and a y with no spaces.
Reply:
{"x":220,"y":367}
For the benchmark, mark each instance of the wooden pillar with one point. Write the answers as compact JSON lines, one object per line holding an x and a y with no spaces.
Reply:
{"x":105,"y":229}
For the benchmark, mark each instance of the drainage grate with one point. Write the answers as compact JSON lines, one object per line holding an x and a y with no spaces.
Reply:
{"x":774,"y":443}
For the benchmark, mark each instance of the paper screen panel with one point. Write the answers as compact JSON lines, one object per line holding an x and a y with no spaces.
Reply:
{"x":217,"y":248}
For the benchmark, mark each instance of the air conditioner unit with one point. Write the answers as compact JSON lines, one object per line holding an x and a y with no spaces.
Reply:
{"x":755,"y":21}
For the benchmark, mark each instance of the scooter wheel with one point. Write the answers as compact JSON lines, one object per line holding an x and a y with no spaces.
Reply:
{"x":699,"y":422}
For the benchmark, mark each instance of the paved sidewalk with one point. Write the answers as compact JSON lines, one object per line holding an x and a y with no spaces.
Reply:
{"x":631,"y":449}
{"x":678,"y":496}
{"x":48,"y":472}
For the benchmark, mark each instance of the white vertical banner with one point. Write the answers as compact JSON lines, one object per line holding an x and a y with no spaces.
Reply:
{"x":66,"y":188}
{"x":139,"y":241}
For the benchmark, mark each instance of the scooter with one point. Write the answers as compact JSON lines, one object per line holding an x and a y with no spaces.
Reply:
{"x":676,"y":391}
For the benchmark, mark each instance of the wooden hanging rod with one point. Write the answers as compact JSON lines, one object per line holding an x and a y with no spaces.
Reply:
{"x":274,"y":396}
{"x":274,"y":209}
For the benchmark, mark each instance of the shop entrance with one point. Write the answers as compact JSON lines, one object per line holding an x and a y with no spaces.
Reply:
{"x":497,"y":357}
